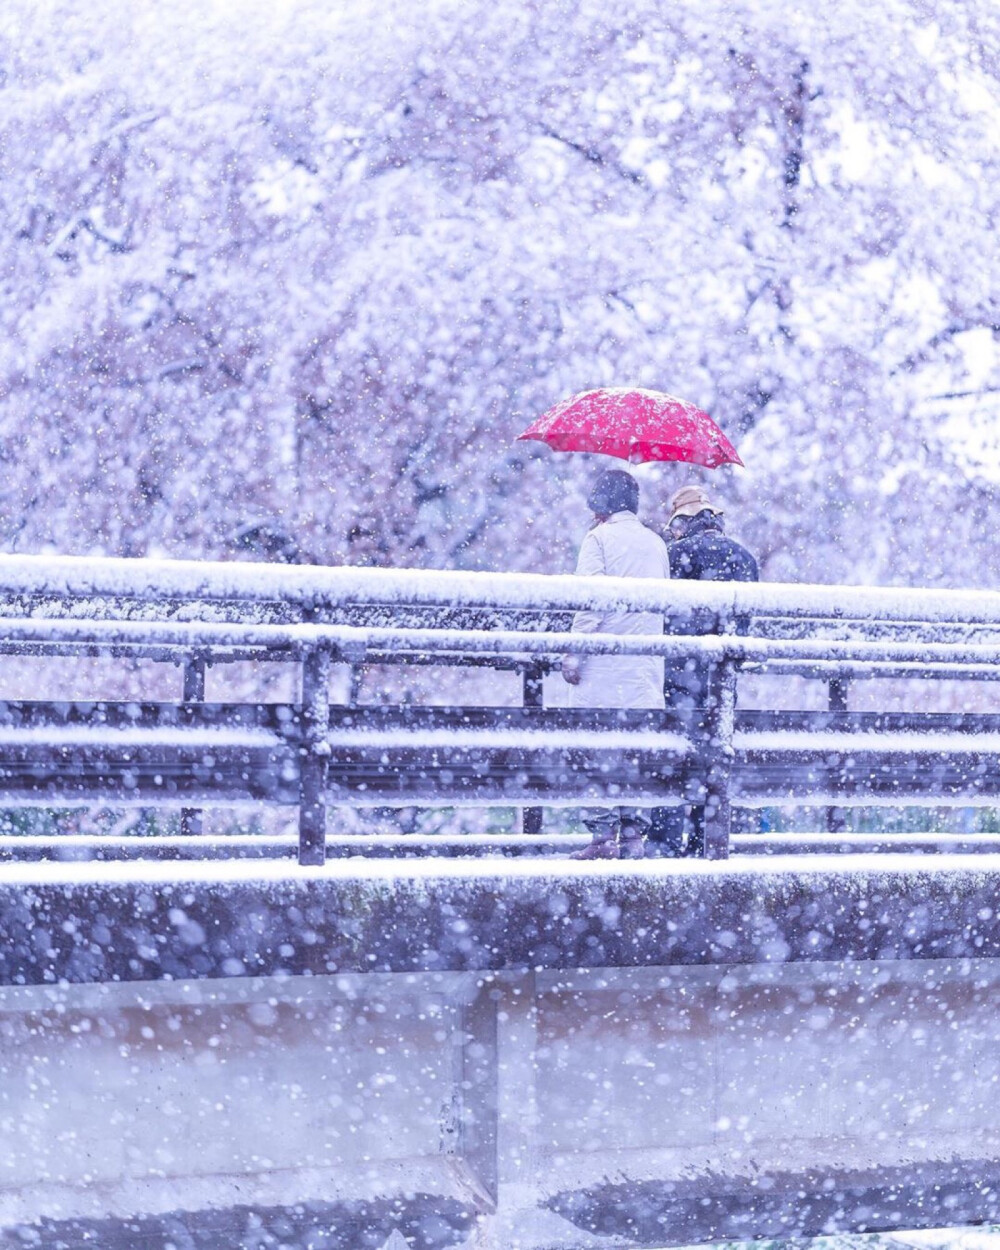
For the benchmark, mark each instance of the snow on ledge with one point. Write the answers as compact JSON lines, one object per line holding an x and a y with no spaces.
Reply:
{"x":113,"y":738}
{"x":510,"y":739}
{"x":847,"y":743}
{"x":387,"y":874}
{"x":102,"y":577}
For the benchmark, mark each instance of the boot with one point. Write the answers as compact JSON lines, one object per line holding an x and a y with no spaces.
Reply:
{"x":604,"y":845}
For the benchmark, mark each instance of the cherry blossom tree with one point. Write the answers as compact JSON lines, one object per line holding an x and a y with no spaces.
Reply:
{"x":313,"y":267}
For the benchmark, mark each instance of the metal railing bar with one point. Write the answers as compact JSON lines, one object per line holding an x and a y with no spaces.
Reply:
{"x":351,"y":643}
{"x":314,"y":756}
{"x":193,"y":691}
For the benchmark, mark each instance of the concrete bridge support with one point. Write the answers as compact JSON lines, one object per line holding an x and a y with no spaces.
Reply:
{"x":713,"y":1073}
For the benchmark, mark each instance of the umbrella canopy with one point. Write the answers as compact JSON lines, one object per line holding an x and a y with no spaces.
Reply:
{"x":635,"y":425}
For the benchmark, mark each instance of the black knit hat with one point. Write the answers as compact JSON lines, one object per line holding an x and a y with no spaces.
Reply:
{"x":614,"y":491}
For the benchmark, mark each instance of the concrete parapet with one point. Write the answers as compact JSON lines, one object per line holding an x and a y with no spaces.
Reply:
{"x":495,"y":1055}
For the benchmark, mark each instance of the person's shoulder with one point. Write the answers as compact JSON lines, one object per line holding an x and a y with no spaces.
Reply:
{"x":743,"y":561}
{"x":683,"y":558}
{"x":654,"y":538}
{"x":592,"y":538}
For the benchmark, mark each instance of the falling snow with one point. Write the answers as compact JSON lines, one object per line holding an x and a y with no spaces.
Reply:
{"x":281,"y":286}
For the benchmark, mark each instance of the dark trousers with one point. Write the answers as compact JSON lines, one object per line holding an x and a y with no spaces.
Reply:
{"x":667,"y":828}
{"x":685,"y":690}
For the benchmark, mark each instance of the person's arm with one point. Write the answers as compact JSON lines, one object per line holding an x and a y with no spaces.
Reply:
{"x":682,"y":564}
{"x":590,"y":563}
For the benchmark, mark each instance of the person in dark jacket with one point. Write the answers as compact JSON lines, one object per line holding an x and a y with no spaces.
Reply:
{"x":699,"y":548}
{"x":699,"y":551}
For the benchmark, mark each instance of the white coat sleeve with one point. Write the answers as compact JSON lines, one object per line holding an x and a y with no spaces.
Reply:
{"x":590,"y":563}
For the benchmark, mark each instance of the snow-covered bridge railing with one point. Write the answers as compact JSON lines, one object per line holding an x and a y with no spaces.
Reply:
{"x":189,"y":752}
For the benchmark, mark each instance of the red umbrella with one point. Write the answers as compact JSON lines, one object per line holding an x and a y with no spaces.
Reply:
{"x":635,"y":425}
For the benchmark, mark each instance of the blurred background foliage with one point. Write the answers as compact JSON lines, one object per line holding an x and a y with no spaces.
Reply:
{"x":311,"y":268}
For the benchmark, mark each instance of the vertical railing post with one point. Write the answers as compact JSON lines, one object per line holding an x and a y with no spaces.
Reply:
{"x":717,"y":745}
{"x":836,"y":820}
{"x":837,"y":700}
{"x":193,"y":692}
{"x":314,"y":756}
{"x":531,"y":696}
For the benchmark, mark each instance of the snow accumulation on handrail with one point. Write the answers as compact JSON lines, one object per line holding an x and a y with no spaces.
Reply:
{"x":846,"y":743}
{"x":119,"y":736}
{"x":818,"y":874}
{"x":354,"y":641}
{"x":507,"y":739}
{"x":77,"y":577}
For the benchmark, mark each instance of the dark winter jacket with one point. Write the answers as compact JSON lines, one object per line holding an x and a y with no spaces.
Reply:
{"x":703,"y":554}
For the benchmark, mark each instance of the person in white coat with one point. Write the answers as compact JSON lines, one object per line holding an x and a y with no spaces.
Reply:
{"x":618,"y":545}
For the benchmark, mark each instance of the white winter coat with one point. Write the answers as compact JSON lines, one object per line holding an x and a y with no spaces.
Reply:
{"x":621,"y":546}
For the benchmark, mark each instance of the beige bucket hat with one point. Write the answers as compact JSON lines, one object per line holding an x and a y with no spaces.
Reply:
{"x":689,"y":501}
